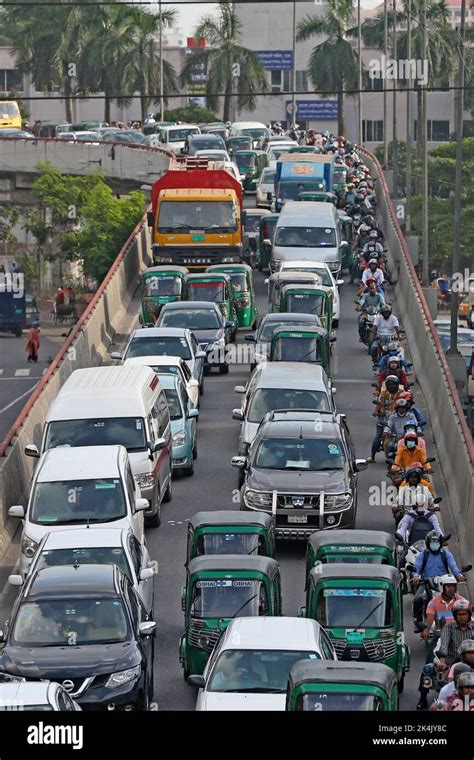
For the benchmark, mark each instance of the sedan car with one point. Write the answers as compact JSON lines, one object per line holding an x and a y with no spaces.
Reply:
{"x":205,"y":320}
{"x":249,"y":667}
{"x":327,"y":279}
{"x":166,"y":341}
{"x":41,"y":696}
{"x":171,"y":365}
{"x":203,"y":142}
{"x":265,"y":185}
{"x":101,"y":546}
{"x":183,"y":418}
{"x":13,"y":132}
{"x":302,"y":455}
{"x":92,"y":138}
{"x":85,"y":627}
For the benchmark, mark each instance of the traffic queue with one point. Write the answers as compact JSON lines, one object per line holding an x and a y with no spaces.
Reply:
{"x":85,"y":575}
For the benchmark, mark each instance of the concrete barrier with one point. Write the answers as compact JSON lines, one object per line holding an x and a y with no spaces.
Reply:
{"x":452,"y":435}
{"x":86,"y":346}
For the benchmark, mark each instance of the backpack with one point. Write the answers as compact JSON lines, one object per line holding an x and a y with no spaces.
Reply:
{"x":426,"y":554}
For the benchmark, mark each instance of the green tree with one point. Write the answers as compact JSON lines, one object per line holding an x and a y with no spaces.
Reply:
{"x":223,"y":35}
{"x":192,"y":114}
{"x":333,"y":63}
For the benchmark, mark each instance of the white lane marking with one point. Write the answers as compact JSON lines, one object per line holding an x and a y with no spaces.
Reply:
{"x":22,"y":372}
{"x":16,"y":400}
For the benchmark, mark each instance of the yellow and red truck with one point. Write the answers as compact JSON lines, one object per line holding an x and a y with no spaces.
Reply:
{"x":196,"y":216}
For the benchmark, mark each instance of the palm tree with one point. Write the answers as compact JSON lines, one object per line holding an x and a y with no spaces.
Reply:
{"x":442,"y":42}
{"x":333,"y":64}
{"x":223,"y":35}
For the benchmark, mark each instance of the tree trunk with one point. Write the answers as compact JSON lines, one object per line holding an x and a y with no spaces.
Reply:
{"x":107,"y":105}
{"x":340,"y":111}
{"x":419,"y":132}
{"x":227,"y":100}
{"x":68,"y":101}
{"x":144,"y":107}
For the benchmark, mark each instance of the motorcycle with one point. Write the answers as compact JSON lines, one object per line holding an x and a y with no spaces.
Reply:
{"x":366,"y":323}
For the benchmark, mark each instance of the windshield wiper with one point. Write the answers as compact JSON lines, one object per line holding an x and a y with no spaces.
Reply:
{"x":243,"y":605}
{"x":255,"y":690}
{"x":370,"y":613}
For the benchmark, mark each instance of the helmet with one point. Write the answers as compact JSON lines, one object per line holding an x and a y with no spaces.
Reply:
{"x":410,"y":436}
{"x":462,"y":605}
{"x":363,"y":184}
{"x":408,"y":396}
{"x":374,"y":261}
{"x":458,"y":669}
{"x":430,"y":538}
{"x":392,"y":380}
{"x":373,"y":234}
{"x":400,"y":403}
{"x":465,"y":681}
{"x":370,"y":279}
{"x":412,"y":471}
{"x":393,"y":360}
{"x":446,"y":580}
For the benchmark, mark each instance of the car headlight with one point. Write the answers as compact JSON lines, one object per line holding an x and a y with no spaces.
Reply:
{"x":29,"y":546}
{"x":122,"y":677}
{"x":179,"y":438}
{"x":144,"y":480}
{"x":338,"y":501}
{"x":163,"y":259}
{"x":258,"y":499}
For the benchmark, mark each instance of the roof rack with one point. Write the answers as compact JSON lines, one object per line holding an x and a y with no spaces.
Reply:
{"x":318,"y":412}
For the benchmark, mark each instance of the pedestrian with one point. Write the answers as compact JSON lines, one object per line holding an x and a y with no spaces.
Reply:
{"x":32,"y":346}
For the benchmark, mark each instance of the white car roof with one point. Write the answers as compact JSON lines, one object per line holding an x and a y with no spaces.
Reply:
{"x":304,"y":264}
{"x":155,"y":361}
{"x":290,"y":375}
{"x":85,"y":538}
{"x":82,"y":462}
{"x":282,"y":633}
{"x":26,"y":692}
{"x":296,"y":208}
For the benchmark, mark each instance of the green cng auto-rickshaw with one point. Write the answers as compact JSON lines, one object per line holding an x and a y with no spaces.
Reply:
{"x":319,"y":685}
{"x":308,"y":299}
{"x":347,"y":232}
{"x":267,"y":228}
{"x":301,"y":344}
{"x":365,"y":546}
{"x":218,"y":589}
{"x":251,"y":164}
{"x":160,"y":285}
{"x":278,"y":280}
{"x":239,"y":142}
{"x":306,"y":149}
{"x":322,"y":196}
{"x":242,"y":284}
{"x":360,"y":607}
{"x":230,"y":532}
{"x":216,"y":287}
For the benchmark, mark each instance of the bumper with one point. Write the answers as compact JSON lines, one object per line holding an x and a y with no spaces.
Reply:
{"x":182,"y":455}
{"x":298,"y":524}
{"x":126,"y":697}
{"x":197,"y":258}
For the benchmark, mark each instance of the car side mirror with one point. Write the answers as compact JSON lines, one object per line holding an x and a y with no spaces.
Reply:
{"x":344,"y":242}
{"x":466,"y":568}
{"x":31,"y":450}
{"x":269,"y":196}
{"x":147,"y":573}
{"x":438,"y":500}
{"x":240,"y":462}
{"x":239,"y":389}
{"x":193,"y":383}
{"x":141,"y":505}
{"x":192,"y":413}
{"x":360,"y":464}
{"x":201,"y":355}
{"x":159,"y":445}
{"x":302,"y":611}
{"x":197,"y":681}
{"x":115,"y":355}
{"x":17,"y":511}
{"x":15,"y":580}
{"x":237,"y":414}
{"x":147,"y":628}
{"x":340,"y":282}
{"x":229,"y":323}
{"x":333,"y":391}
{"x":446,"y":538}
{"x":150,"y":218}
{"x":250,"y":338}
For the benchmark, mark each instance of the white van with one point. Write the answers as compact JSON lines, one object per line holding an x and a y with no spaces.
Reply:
{"x":308,"y":231}
{"x":95,"y":486}
{"x":103,"y":406}
{"x":174,"y":138}
{"x":254,"y":129}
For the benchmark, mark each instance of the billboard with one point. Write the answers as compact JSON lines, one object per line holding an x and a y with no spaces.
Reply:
{"x":277,"y":60}
{"x":307,"y":110}
{"x":198,"y":76}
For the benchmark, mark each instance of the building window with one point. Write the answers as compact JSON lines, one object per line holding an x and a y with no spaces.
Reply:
{"x":11,"y":79}
{"x":372,"y":131}
{"x":301,"y":81}
{"x":280,"y":81}
{"x":436,"y":131}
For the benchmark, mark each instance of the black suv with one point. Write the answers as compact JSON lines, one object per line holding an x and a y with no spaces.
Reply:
{"x":295,"y":458}
{"x":86,"y":628}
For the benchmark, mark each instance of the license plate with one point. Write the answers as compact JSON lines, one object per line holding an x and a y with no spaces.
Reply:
{"x":297,"y":518}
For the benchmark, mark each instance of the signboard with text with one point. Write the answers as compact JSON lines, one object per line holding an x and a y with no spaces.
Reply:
{"x":198,"y":76}
{"x":277,"y":60}
{"x":307,"y":110}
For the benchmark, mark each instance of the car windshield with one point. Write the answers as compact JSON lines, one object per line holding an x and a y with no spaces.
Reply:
{"x":230,"y":543}
{"x":77,"y":501}
{"x":135,"y":137}
{"x":252,"y":222}
{"x":305,"y":237}
{"x":250,"y":670}
{"x":323,"y":273}
{"x":298,"y":350}
{"x":206,"y":291}
{"x":179,"y":135}
{"x":162,"y":285}
{"x":241,"y":143}
{"x":187,"y":216}
{"x":94,"y":555}
{"x":194,"y":319}
{"x":164,"y":345}
{"x":350,"y":607}
{"x":174,"y":404}
{"x":245,"y":160}
{"x":269,"y":326}
{"x":268,"y":177}
{"x":239,"y":281}
{"x":109,"y":431}
{"x":306,"y":303}
{"x":208,"y":144}
{"x":8,"y":109}
{"x":265,"y":400}
{"x":255,"y":132}
{"x":59,"y":622}
{"x":217,"y":598}
{"x":323,"y":701}
{"x":310,"y":454}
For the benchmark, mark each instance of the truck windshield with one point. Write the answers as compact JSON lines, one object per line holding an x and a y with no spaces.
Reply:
{"x":187,"y":216}
{"x":265,"y":400}
{"x":312,"y":455}
{"x":337,"y":701}
{"x":225,"y":598}
{"x":292,"y":190}
{"x":127,"y":431}
{"x":347,"y":607}
{"x":77,"y":501}
{"x":306,"y":237}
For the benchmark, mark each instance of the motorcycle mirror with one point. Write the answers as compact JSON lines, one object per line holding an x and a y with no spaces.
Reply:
{"x":438,"y":500}
{"x":399,"y":538}
{"x":431,"y":459}
{"x":446,"y":538}
{"x":466,"y":568}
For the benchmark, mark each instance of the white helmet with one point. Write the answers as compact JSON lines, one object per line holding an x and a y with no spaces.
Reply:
{"x":447,"y":580}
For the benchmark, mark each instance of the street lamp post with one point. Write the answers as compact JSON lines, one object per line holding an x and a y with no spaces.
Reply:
{"x":394,"y":138}
{"x":359,"y":75}
{"x":408,"y":180}
{"x":422,"y":137}
{"x":293,"y":97}
{"x":162,"y":100}
{"x":385,"y":109}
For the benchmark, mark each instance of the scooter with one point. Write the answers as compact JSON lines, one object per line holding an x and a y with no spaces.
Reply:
{"x":410,"y":548}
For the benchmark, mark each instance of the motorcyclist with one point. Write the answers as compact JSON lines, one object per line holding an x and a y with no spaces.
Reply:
{"x":392,"y":350}
{"x":431,"y":562}
{"x":393,"y":368}
{"x":452,"y":686}
{"x":463,"y":697}
{"x":385,"y":325}
{"x":389,"y":394}
{"x":410,"y":453}
{"x":416,"y":496}
{"x":412,"y":408}
{"x":374,"y":272}
{"x":395,"y":426}
{"x":439,"y":612}
{"x":370,"y":299}
{"x":417,"y":466}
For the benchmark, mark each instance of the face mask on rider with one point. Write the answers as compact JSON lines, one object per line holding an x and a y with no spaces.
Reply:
{"x":411,"y":444}
{"x":434,"y":546}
